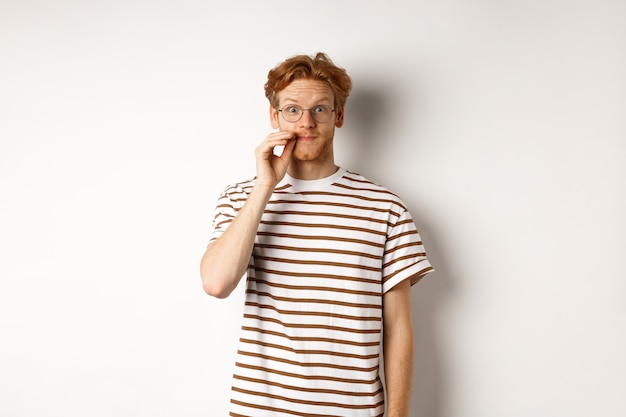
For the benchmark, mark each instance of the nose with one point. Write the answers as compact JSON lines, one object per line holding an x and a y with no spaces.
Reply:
{"x":307,"y":119}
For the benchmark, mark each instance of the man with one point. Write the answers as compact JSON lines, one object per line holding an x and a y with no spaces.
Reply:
{"x":330,"y":258}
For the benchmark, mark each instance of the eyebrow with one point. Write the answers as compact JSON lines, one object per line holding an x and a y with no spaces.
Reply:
{"x":320,"y":101}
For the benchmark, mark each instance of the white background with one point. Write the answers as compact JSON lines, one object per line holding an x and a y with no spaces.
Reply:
{"x":501,"y":124}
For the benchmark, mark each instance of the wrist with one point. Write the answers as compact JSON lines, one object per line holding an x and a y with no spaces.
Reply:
{"x":264,"y":187}
{"x":261,"y":193}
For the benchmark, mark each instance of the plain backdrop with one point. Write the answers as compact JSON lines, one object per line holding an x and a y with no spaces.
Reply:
{"x":500,"y":123}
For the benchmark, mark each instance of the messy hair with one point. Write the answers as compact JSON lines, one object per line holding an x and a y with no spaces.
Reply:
{"x":318,"y":67}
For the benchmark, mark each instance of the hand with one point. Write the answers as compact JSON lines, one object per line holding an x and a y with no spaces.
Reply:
{"x":271,"y":168}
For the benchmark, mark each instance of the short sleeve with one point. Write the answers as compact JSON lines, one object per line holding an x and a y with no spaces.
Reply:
{"x":404,"y":256}
{"x":228,"y":204}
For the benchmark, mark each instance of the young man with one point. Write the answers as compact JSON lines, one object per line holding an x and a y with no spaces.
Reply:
{"x":330,"y":258}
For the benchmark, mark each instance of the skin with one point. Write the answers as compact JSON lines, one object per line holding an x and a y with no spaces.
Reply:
{"x":308,"y":155}
{"x":398,"y":348}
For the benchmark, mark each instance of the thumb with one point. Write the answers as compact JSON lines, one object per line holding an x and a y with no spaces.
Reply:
{"x":287,"y":150}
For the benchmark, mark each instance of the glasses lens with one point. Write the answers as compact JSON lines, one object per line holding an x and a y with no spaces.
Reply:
{"x":292,"y":113}
{"x":321,"y":113}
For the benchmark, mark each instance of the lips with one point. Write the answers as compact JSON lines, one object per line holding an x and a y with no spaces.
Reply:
{"x":306,"y":137}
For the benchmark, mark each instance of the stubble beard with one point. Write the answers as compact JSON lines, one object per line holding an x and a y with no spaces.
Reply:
{"x":303,"y":153}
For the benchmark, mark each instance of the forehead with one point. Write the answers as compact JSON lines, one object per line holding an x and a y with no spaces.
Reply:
{"x":306,"y":90}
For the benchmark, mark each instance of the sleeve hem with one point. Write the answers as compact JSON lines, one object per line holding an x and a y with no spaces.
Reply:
{"x":414,"y":272}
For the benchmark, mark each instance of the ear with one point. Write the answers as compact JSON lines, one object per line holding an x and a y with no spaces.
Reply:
{"x":340,"y":114}
{"x":274,"y":117}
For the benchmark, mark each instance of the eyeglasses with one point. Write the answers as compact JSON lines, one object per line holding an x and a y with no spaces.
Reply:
{"x":292,"y":113}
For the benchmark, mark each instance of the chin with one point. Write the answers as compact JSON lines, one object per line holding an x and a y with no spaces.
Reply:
{"x":299,"y":155}
{"x":303,"y":158}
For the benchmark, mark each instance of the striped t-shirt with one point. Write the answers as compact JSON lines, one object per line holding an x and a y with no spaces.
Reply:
{"x":325,"y":253}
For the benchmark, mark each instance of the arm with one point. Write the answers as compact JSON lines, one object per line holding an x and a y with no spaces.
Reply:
{"x":226,"y":259}
{"x":398,"y":348}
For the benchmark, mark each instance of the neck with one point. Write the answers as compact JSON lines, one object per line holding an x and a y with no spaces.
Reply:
{"x":303,"y":170}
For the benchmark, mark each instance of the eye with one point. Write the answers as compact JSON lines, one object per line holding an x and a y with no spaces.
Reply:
{"x":291,"y":109}
{"x":321,"y":109}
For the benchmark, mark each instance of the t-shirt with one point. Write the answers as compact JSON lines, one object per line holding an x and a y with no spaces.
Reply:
{"x":325,"y":253}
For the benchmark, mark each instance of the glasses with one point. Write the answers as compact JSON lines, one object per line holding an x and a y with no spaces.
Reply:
{"x":293,"y":113}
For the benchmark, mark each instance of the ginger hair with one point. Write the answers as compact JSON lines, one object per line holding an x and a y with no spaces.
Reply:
{"x":318,"y":67}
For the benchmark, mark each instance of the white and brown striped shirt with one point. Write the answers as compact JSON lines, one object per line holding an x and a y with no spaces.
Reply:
{"x":325,"y":253}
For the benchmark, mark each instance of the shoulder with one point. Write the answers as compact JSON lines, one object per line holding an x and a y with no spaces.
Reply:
{"x":360,"y":182}
{"x":235,"y":194}
{"x":355,"y":183}
{"x":241,"y":187}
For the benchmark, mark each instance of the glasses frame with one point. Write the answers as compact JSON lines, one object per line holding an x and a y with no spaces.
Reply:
{"x":302,"y":113}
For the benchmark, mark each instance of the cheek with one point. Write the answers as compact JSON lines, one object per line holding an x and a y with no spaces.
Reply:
{"x":284,"y":126}
{"x":329,"y":131}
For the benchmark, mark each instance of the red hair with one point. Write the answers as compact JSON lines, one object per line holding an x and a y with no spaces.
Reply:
{"x":318,"y":67}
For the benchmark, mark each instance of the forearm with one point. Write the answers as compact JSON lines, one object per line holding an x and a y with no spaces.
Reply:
{"x":398,"y":348}
{"x":398,"y":357}
{"x":226,"y":260}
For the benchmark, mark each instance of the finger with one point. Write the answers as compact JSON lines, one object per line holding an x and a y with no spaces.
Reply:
{"x":281,"y":136}
{"x":272,"y":144}
{"x":275,"y":139}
